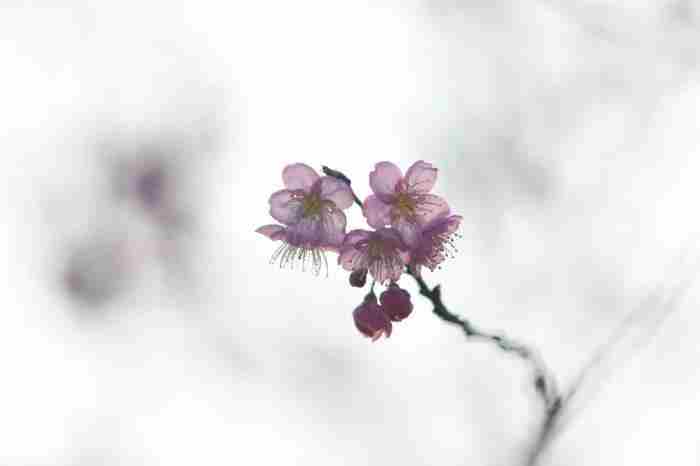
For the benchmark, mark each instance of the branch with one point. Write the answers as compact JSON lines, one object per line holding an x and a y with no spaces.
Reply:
{"x":633,"y":333}
{"x":543,"y":379}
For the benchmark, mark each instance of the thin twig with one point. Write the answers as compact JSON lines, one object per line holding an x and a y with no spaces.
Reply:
{"x":632,"y":334}
{"x":559,"y":407}
{"x":544,"y":380}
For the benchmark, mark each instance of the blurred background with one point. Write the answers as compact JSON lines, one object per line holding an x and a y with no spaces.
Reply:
{"x":142,"y":324}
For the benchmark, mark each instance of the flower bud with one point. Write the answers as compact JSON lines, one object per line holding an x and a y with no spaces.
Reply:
{"x":358,"y":278}
{"x":370,"y":320}
{"x":396,"y":302}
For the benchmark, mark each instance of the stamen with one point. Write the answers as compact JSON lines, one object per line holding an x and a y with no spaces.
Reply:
{"x":292,"y":257}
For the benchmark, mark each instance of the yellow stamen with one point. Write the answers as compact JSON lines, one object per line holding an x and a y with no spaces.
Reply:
{"x":312,"y":205}
{"x":404,"y":206}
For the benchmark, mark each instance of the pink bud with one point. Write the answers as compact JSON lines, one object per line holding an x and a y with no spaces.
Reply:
{"x":396,"y":302}
{"x":358,"y":278}
{"x":370,"y":320}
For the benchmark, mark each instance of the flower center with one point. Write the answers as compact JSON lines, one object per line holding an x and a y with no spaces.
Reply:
{"x":375,"y":249}
{"x":404,"y":206}
{"x":311,"y":205}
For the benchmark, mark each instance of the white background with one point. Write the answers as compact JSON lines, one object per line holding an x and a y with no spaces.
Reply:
{"x":565,"y":132}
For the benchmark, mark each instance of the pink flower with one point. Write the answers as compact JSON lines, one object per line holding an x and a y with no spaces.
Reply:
{"x":401,"y":201}
{"x":435,"y":240}
{"x":396,"y":303}
{"x":382,"y":252}
{"x":370,"y":320}
{"x":311,"y":212}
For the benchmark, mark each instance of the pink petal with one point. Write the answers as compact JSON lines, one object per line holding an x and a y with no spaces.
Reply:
{"x":431,"y":208}
{"x":274,"y":232}
{"x":339,"y":192}
{"x":305,"y":233}
{"x":348,"y":257}
{"x":421,"y":177}
{"x":332,"y":227}
{"x":391,"y":236}
{"x":384,"y":273}
{"x":355,"y":236}
{"x":410,"y":232}
{"x":384,"y":178}
{"x":299,"y":176}
{"x":284,"y":207}
{"x":453,"y":223}
{"x":376,"y":212}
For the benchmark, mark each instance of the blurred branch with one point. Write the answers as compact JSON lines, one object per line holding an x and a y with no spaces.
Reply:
{"x":672,"y":34}
{"x":598,"y":21}
{"x":635,"y":331}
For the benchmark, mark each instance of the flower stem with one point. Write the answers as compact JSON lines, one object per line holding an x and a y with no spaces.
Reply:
{"x":544,"y":382}
{"x":543,"y":379}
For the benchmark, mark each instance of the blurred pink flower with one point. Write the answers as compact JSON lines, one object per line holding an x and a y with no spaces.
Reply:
{"x":370,"y":320}
{"x":382,"y":252}
{"x":311,"y":212}
{"x":401,"y":201}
